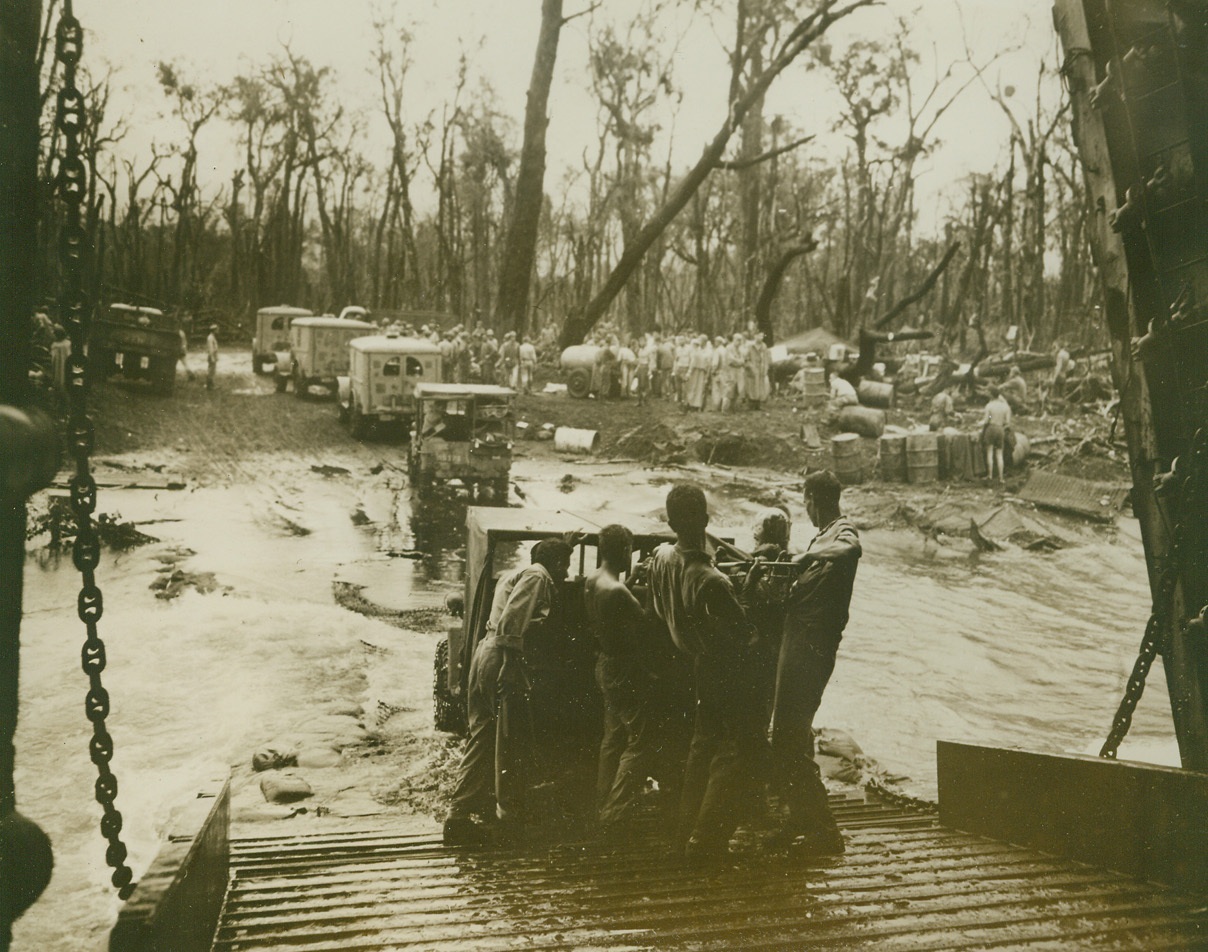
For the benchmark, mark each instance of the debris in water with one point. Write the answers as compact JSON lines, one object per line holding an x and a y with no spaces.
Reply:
{"x":430,"y":620}
{"x":59,"y":523}
{"x":170,"y":584}
{"x":567,"y":483}
{"x":325,"y":469}
{"x":1080,"y":497}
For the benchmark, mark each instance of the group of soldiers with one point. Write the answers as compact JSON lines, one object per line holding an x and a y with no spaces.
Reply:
{"x":699,"y":373}
{"x":478,"y":356}
{"x":757,"y":636}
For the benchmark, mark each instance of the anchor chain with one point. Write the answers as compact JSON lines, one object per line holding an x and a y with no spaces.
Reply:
{"x":897,"y":798}
{"x":71,"y":186}
{"x":1193,"y":492}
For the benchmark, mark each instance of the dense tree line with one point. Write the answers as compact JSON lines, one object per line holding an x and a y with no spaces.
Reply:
{"x":776,"y":225}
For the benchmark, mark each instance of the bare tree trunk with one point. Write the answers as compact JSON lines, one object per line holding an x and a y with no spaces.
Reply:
{"x":520,"y":247}
{"x":750,"y":186}
{"x":1009,"y":310}
{"x":771,"y":285}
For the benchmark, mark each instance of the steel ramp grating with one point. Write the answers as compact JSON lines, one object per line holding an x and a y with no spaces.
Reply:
{"x":906,"y":883}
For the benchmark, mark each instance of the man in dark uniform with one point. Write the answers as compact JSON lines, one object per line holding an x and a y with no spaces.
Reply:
{"x":619,"y":625}
{"x":706,"y":622}
{"x":815,"y":616}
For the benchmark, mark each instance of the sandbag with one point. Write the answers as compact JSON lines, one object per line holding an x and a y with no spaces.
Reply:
{"x":273,"y":758}
{"x":285,"y":788}
{"x":837,"y":743}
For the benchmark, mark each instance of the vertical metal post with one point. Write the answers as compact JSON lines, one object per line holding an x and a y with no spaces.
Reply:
{"x":24,"y":850}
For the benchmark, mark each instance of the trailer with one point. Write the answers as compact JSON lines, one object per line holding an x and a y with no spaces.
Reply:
{"x":140,"y":343}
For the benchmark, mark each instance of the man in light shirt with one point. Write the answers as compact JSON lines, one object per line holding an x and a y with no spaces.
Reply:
{"x":211,"y":356}
{"x":523,"y":600}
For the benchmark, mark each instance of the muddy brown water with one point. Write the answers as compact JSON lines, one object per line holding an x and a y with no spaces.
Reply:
{"x":1012,"y":648}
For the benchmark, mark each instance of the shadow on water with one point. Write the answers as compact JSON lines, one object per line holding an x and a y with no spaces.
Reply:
{"x":438,"y":528}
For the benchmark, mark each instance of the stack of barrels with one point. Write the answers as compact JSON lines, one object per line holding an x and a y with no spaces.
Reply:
{"x":916,"y":458}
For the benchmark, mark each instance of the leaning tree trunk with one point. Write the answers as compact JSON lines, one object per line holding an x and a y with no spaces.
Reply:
{"x":520,"y":246}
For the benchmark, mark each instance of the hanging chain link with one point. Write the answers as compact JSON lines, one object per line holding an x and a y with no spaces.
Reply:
{"x":1194,"y":493}
{"x":71,"y":185}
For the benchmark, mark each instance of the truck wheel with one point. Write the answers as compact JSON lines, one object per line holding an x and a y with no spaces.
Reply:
{"x":280,"y":383}
{"x":165,"y":376}
{"x":257,"y":364}
{"x":447,"y":714}
{"x":578,"y":384}
{"x":358,"y":424}
{"x":100,"y":365}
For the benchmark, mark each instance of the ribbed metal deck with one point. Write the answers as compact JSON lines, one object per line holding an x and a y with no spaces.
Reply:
{"x":905,"y":883}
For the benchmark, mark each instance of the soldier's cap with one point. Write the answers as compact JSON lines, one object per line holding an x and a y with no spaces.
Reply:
{"x":213,"y":327}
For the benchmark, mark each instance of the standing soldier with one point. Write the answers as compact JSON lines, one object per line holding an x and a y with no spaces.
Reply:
{"x":664,"y":367}
{"x":619,"y":624}
{"x":445,"y":343}
{"x":758,"y":371}
{"x":681,"y":368}
{"x":719,"y":371}
{"x":509,"y":360}
{"x":184,"y":353}
{"x":523,"y":600}
{"x":60,"y":351}
{"x":489,"y":357}
{"x":526,"y":356}
{"x":697,"y":389}
{"x":627,"y":365}
{"x":647,"y":367}
{"x":816,"y":612}
{"x":211,"y":356}
{"x":706,"y":622}
{"x":734,"y":394}
{"x":464,"y":357}
{"x":995,"y":423}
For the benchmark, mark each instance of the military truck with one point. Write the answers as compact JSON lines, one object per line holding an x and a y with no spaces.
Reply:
{"x":462,"y":432}
{"x":271,"y":335}
{"x":318,"y":352}
{"x":140,"y":343}
{"x":383,"y":372}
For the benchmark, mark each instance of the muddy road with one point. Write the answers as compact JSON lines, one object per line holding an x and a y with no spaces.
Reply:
{"x":292,"y":598}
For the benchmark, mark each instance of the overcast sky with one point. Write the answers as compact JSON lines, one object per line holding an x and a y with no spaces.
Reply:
{"x":216,"y":39}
